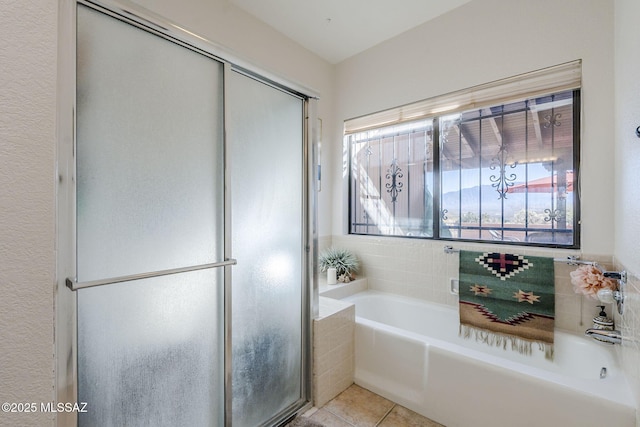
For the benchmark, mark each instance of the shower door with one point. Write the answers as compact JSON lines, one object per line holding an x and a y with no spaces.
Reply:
{"x":150,"y":228}
{"x":265,"y":134}
{"x":183,"y":165}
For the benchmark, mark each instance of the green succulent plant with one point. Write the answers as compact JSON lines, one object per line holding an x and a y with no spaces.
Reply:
{"x":344,"y":261}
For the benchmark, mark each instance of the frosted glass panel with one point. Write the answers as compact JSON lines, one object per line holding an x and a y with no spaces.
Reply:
{"x":149,"y":197}
{"x":149,"y":353}
{"x":265,"y":139}
{"x":149,"y":156}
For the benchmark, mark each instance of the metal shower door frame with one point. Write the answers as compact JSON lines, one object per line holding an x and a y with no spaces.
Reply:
{"x":66,"y":379}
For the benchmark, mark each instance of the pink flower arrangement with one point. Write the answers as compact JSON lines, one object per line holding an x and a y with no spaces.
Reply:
{"x":588,"y":280}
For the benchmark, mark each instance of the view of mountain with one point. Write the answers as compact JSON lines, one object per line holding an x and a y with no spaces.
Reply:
{"x":492,"y":203}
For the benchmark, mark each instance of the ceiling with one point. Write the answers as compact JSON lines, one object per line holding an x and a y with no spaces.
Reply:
{"x":338,"y":29}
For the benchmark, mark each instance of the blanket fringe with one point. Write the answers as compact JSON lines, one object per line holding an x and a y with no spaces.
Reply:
{"x":520,"y":345}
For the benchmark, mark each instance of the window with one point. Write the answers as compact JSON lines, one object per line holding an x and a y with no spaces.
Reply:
{"x":503,"y":172}
{"x":392,"y":180}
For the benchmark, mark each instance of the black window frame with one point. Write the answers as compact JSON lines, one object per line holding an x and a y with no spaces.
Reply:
{"x":436,"y":196}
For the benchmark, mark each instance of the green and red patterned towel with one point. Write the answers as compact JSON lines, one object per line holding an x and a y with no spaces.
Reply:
{"x":507,"y":299}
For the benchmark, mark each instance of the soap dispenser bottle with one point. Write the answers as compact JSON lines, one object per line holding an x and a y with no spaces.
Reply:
{"x":603,"y":322}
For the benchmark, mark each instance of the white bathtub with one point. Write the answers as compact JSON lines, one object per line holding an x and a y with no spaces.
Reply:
{"x":409,"y":351}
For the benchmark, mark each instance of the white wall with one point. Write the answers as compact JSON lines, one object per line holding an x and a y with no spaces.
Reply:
{"x":627,"y":119}
{"x":486,"y":40}
{"x":627,"y":166}
{"x":28,"y":64}
{"x":27,"y":205}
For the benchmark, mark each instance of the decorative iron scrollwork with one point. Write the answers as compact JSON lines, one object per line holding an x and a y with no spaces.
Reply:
{"x":552,"y":120}
{"x":394,"y":173}
{"x":555,"y":215}
{"x":503,"y":180}
{"x":444,"y":214}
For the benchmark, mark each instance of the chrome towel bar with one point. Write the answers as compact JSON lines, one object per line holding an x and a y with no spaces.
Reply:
{"x":74,"y":285}
{"x":571,"y":260}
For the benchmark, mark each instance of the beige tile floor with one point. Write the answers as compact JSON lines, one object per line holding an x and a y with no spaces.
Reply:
{"x":359,"y":407}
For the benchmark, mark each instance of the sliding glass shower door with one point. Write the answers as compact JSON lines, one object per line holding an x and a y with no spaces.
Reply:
{"x":184,"y":164}
{"x":150,"y":191}
{"x":266,"y":151}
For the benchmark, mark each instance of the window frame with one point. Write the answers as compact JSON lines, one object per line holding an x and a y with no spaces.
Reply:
{"x":437,"y":171}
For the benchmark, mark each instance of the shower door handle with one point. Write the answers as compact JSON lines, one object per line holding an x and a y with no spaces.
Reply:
{"x":74,"y":285}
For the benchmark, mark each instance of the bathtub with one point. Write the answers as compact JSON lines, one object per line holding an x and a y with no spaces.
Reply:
{"x":409,"y":351}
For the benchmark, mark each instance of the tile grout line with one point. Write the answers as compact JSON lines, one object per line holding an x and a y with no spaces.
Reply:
{"x":339,"y":417}
{"x":386,"y":415}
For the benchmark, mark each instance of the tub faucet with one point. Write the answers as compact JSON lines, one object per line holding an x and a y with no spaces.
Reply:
{"x":611,"y":337}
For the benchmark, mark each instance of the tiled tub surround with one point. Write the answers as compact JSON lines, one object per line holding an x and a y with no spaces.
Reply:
{"x":409,"y":351}
{"x":333,"y":349}
{"x":421,"y":269}
{"x":629,"y":325}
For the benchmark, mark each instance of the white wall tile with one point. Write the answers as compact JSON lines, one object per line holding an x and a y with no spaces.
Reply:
{"x":421,"y":269}
{"x":334,"y":347}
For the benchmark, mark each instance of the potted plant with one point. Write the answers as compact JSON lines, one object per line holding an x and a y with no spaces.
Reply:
{"x":343,"y":260}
